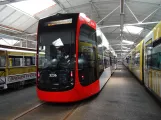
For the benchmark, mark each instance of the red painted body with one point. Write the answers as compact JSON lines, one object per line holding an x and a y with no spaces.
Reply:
{"x":79,"y":92}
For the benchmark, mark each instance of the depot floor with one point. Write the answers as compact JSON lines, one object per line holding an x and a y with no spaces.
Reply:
{"x":122,"y":98}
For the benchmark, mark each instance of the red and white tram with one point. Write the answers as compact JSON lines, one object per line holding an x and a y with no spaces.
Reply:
{"x":74,"y":60}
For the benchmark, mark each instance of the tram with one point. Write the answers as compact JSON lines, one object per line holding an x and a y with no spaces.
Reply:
{"x":77,"y":60}
{"x":17,"y":67}
{"x":144,"y":61}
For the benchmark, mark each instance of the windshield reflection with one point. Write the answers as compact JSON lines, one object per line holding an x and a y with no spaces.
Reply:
{"x":56,"y":51}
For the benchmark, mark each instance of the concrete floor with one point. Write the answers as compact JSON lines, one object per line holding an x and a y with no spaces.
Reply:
{"x":14,"y":102}
{"x":123,"y":98}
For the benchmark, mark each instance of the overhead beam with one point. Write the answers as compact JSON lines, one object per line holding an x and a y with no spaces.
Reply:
{"x":24,"y":13}
{"x":60,"y":5}
{"x":108,"y":15}
{"x":122,"y":15}
{"x":129,"y":24}
{"x":132,"y":13}
{"x":70,"y":5}
{"x":119,"y":44}
{"x":122,"y":50}
{"x":151,"y":14}
{"x":143,"y":2}
{"x":9,"y":1}
{"x":95,"y":8}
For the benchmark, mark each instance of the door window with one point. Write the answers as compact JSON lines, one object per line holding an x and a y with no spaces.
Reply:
{"x":87,"y":55}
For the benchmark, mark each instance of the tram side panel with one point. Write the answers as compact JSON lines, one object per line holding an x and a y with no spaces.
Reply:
{"x":137,"y":61}
{"x":156,"y":61}
{"x":106,"y":74}
{"x":130,"y":61}
{"x":147,"y":60}
{"x":104,"y":59}
{"x":152,"y":61}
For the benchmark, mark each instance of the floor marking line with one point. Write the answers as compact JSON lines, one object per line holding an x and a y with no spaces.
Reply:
{"x":27,"y":111}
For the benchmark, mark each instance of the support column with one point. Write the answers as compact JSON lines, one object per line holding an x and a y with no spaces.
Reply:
{"x":122,"y":3}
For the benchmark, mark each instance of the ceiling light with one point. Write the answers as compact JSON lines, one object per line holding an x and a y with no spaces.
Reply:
{"x":128,"y":42}
{"x":123,"y":50}
{"x":125,"y":47}
{"x":132,"y":29}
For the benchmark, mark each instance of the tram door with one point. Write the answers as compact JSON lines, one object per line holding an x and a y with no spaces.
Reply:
{"x":87,"y":56}
{"x":147,"y":66}
{"x":87,"y":64}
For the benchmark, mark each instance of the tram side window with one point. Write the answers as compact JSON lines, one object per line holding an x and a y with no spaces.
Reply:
{"x":159,"y":60}
{"x":115,"y":60}
{"x":41,"y":60}
{"x":15,"y":61}
{"x":137,"y":61}
{"x":29,"y":60}
{"x":156,"y":61}
{"x":127,"y":60}
{"x":111,"y":61}
{"x":133,"y":59}
{"x":106,"y":59}
{"x":100,"y":60}
{"x":2,"y":61}
{"x":33,"y":61}
{"x":148,"y":61}
{"x":107,"y":62}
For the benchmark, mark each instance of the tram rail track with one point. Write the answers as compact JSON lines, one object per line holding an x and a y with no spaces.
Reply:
{"x":64,"y":117}
{"x":27,"y":111}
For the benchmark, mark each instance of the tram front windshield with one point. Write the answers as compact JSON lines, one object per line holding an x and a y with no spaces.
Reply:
{"x":56,"y":50}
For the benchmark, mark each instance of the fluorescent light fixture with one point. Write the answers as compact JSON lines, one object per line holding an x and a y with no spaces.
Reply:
{"x":125,"y":47}
{"x":123,"y":50}
{"x":58,"y":43}
{"x":128,"y":42}
{"x":32,"y":7}
{"x":132,"y":29}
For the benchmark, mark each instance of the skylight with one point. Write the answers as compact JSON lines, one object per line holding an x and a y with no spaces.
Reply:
{"x":8,"y":42}
{"x":32,"y":7}
{"x":132,"y":29}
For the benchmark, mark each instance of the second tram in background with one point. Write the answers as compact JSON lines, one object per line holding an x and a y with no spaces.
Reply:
{"x":144,"y":61}
{"x":17,"y":67}
{"x":76,"y":61}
